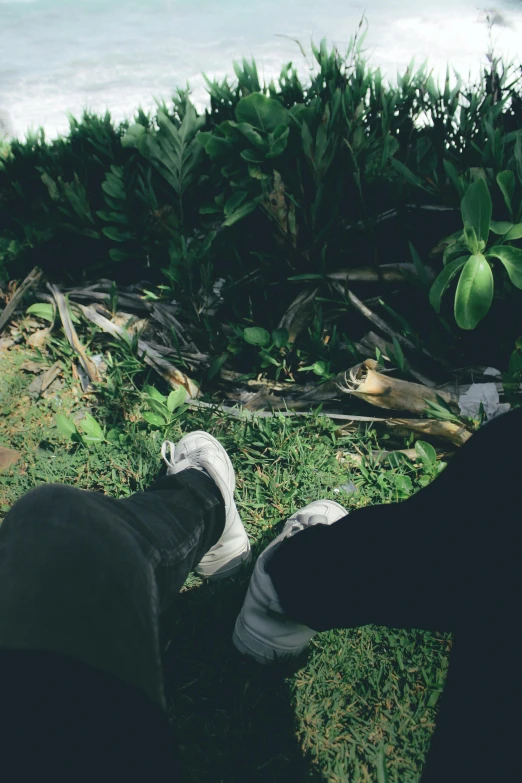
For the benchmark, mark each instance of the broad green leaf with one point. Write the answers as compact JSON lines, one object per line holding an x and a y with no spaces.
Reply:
{"x":474,"y":292}
{"x":256,"y":335}
{"x":133,"y":135}
{"x":252,"y":135}
{"x":154,"y":418}
{"x":511,"y":257}
{"x":91,"y":428}
{"x":261,"y":112}
{"x":280,"y":337}
{"x":235,"y":200}
{"x":42,"y":310}
{"x":116,"y":234}
{"x":443,"y":280}
{"x":119,"y":255}
{"x":158,"y":407}
{"x":66,"y":426}
{"x":113,"y":436}
{"x":320,"y":368}
{"x":506,"y":183}
{"x":51,"y":186}
{"x":251,"y":156}
{"x":113,"y":187}
{"x":113,"y":217}
{"x":240,"y":213}
{"x":515,"y":232}
{"x":279,"y":144}
{"x":403,"y":485}
{"x":203,"y":138}
{"x":219,"y":148}
{"x":426,"y":452}
{"x":476,"y":208}
{"x":501,"y":227}
{"x":151,"y":391}
{"x":176,"y":398}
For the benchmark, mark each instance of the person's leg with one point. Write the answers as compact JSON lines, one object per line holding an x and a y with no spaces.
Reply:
{"x":446,"y":559}
{"x":419,"y":563}
{"x":84,"y":575}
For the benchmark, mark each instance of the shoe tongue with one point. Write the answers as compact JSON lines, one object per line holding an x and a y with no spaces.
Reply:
{"x":187,"y":464}
{"x":184,"y":464}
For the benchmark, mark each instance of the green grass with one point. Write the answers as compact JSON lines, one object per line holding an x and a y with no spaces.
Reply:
{"x":361,"y":704}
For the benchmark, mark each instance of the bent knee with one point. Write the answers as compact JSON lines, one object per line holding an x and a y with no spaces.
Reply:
{"x":43,"y":506}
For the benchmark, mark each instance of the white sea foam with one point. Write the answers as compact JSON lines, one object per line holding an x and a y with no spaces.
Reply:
{"x":59,"y":56}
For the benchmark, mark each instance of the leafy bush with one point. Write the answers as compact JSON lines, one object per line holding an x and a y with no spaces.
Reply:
{"x":475,"y":288}
{"x":273,"y":183}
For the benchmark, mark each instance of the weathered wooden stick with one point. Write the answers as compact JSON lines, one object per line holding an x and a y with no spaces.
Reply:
{"x":387,"y":273}
{"x":70,"y":332}
{"x":31,"y":280}
{"x":384,"y":391}
{"x":152,"y":357}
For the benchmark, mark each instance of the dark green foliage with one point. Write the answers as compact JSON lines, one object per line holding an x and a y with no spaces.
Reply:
{"x":272,"y":182}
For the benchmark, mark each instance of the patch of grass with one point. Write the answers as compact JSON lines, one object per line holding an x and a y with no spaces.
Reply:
{"x":360,"y":705}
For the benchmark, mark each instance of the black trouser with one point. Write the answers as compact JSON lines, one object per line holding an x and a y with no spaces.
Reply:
{"x":447,"y":559}
{"x":85,"y":576}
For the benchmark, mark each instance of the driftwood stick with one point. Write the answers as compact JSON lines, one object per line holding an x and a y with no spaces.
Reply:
{"x":132,"y":301}
{"x":31,"y":280}
{"x":388,"y":273}
{"x":70,"y":332}
{"x":440,"y":430}
{"x":377,"y":321}
{"x":152,"y":357}
{"x":384,"y":391}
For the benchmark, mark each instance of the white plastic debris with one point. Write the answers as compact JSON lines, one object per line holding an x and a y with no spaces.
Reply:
{"x":492,"y":371}
{"x":485,"y":393}
{"x":349,"y":488}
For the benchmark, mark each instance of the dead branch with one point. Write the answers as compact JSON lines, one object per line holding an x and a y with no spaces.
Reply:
{"x":386,"y":273}
{"x":364,"y":382}
{"x":151,"y":356}
{"x":70,"y":332}
{"x":31,"y":280}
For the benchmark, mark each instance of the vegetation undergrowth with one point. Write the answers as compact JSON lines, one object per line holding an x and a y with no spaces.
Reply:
{"x":279,"y":189}
{"x":363,"y":702}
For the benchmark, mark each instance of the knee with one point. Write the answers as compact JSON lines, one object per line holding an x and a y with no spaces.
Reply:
{"x":44,"y":506}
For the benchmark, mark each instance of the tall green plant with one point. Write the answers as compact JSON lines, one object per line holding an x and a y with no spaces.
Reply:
{"x":475,"y":253}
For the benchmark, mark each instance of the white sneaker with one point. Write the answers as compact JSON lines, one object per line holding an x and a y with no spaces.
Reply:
{"x":262,"y":630}
{"x":202,"y":451}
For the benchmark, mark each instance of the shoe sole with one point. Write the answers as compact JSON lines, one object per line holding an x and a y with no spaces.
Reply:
{"x":245,"y":642}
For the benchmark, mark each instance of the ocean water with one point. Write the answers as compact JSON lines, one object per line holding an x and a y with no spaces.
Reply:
{"x":59,"y":56}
